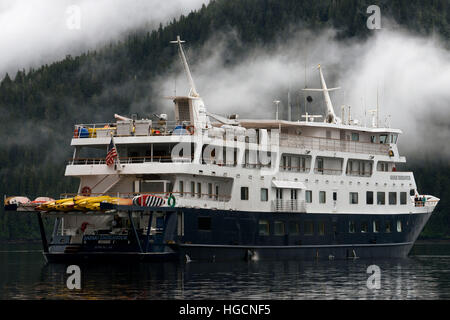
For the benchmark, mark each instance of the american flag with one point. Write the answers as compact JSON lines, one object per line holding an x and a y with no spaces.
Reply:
{"x":112,"y":153}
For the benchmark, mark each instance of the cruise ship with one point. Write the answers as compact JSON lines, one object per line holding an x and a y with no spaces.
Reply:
{"x":211,"y":187}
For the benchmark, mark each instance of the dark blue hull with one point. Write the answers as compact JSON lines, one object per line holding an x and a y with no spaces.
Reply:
{"x":218,"y":235}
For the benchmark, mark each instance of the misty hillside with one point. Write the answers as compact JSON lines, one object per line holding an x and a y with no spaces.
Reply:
{"x":40,"y":106}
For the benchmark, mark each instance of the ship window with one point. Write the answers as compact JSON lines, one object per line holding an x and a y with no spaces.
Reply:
{"x":199,"y":189}
{"x":383,"y":138}
{"x":321,"y":228}
{"x":244,"y":193}
{"x":392,"y":198}
{"x":399,"y":226}
{"x":181,"y":184}
{"x":334,"y":196}
{"x":294,"y":228}
{"x":388,"y":226}
{"x":279,"y":228}
{"x":394,"y":138}
{"x":373,"y":139}
{"x":322,"y":197}
{"x":320,"y":165}
{"x":192,"y":189}
{"x":355,"y":136}
{"x":351,"y":226}
{"x":309,"y":228}
{"x":369,"y":197}
{"x":216,"y":195}
{"x":303,"y":164}
{"x":264,"y":228}
{"x":364,"y":227}
{"x":353,"y":197}
{"x":210,"y":190}
{"x":264,"y":194}
{"x":412,"y":192}
{"x":308,"y":196}
{"x":381,"y":198}
{"x":204,"y":223}
{"x":376,"y":226}
{"x":180,"y":224}
{"x":402,"y":197}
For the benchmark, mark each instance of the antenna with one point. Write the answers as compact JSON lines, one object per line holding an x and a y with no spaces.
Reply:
{"x":289,"y":102}
{"x":331,"y":116}
{"x":193,"y":91}
{"x":277,"y":102}
{"x":378,"y":107}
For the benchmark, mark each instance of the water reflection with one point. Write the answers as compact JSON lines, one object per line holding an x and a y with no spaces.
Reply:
{"x":24,"y":275}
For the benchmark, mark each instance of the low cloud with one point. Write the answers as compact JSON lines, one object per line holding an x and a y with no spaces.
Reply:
{"x":42,"y":31}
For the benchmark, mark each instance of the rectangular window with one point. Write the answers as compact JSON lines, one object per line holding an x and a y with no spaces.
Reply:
{"x":264,"y":194}
{"x":322,"y":197}
{"x":402,"y":197}
{"x":321,"y":228}
{"x":320,"y":165}
{"x":351,"y":227}
{"x":381,"y":198}
{"x":279,"y":228}
{"x":264,"y":228}
{"x":373,"y":139}
{"x":216,"y":195}
{"x":355,"y":136}
{"x":392,"y":198}
{"x":376,"y":226}
{"x":353,"y":197}
{"x":303,"y":164}
{"x":204,"y":223}
{"x":294,"y":228}
{"x":399,"y":226}
{"x":369,"y":197}
{"x":335,"y":196}
{"x":364,"y":227}
{"x":181,"y":188}
{"x":192,"y":189}
{"x":309,"y":228}
{"x":388,"y":226}
{"x":210,"y":190}
{"x":308,"y":196}
{"x":383,"y":138}
{"x":199,"y":189}
{"x":244,"y":193}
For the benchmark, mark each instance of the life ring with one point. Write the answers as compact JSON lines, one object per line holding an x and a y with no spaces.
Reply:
{"x":391,"y":153}
{"x":171,"y":201}
{"x":86,"y":191}
{"x":190,"y":129}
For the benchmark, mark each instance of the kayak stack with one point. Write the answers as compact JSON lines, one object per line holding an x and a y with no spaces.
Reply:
{"x":79,"y":203}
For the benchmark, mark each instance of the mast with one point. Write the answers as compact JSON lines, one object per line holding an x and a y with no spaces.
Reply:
{"x":331,"y":115}
{"x":193,"y":92}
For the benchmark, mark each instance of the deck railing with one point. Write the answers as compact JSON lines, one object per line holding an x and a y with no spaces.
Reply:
{"x":292,"y":205}
{"x":128,"y":160}
{"x":328,"y":144}
{"x":176,"y":194}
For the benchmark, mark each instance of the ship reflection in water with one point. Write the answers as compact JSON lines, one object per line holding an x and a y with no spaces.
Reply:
{"x":25,"y":275}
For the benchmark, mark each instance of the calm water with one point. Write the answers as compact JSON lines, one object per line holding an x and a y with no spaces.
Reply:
{"x":425,"y":275}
